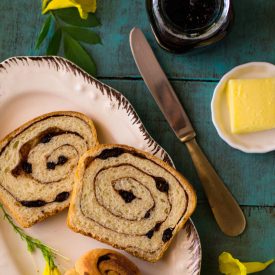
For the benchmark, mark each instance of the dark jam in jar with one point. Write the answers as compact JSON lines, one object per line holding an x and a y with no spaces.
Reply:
{"x":189,"y":15}
{"x":181,"y":25}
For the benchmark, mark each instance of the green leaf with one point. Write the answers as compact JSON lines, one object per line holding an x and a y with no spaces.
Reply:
{"x":54,"y":44}
{"x":83,"y":35}
{"x":71,"y":17}
{"x":44,"y":31}
{"x":31,"y":246}
{"x":75,"y":52}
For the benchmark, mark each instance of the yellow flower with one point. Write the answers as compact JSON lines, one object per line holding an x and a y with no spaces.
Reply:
{"x":83,"y":6}
{"x":49,"y":271}
{"x":231,"y":266}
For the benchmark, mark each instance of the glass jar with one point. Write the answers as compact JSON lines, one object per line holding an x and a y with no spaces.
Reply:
{"x":183,"y":25}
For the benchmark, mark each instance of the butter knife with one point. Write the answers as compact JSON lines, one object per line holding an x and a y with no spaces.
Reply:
{"x":226,"y":210}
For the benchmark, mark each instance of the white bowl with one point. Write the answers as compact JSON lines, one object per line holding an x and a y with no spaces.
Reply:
{"x":258,"y":142}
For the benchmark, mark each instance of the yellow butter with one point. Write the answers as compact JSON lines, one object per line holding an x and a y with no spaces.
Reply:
{"x":251,"y":104}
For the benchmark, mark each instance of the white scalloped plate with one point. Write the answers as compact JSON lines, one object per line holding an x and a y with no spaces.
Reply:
{"x":31,"y":86}
{"x":258,"y":142}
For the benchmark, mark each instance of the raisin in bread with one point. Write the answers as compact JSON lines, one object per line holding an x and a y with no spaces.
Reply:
{"x":37,"y":164}
{"x":130,"y":200}
{"x":103,"y":261}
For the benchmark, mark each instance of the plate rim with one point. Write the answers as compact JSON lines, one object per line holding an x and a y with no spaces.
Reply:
{"x":111,"y":92}
{"x":59,"y":63}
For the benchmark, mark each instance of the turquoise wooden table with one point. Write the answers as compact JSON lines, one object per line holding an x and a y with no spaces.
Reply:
{"x":250,"y":177}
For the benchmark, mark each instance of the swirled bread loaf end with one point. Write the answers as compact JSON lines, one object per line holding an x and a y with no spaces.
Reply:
{"x":38,"y":161}
{"x":130,"y":200}
{"x":103,"y":261}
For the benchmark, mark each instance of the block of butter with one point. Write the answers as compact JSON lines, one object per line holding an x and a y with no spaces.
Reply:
{"x":251,"y":104}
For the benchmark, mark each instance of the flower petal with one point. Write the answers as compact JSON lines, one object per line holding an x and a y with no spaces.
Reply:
{"x":83,"y":6}
{"x":83,"y":14}
{"x":47,"y":269}
{"x":58,"y":4}
{"x":87,"y":5}
{"x":56,"y":271}
{"x":230,"y":266}
{"x":253,"y":267}
{"x":45,"y":3}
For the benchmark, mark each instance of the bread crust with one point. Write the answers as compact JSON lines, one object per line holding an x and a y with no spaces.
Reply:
{"x":88,"y":263}
{"x":8,"y":201}
{"x":187,"y":186}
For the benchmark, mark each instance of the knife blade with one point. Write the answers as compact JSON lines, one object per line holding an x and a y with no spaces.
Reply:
{"x":160,"y":87}
{"x":225,"y":208}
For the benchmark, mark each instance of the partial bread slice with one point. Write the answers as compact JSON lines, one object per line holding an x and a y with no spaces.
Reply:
{"x":103,"y":261}
{"x":129,"y":199}
{"x":38,"y":161}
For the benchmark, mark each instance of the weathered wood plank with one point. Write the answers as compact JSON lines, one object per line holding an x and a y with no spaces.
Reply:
{"x":250,"y":177}
{"x":257,"y":243}
{"x":20,"y":23}
{"x":251,"y":39}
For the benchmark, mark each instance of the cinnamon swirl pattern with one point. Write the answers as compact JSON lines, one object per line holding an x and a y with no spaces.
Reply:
{"x":130,"y":200}
{"x":103,"y":261}
{"x":38,"y":161}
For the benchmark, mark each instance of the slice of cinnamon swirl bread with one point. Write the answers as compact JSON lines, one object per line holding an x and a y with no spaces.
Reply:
{"x":130,"y":200}
{"x":38,"y":161}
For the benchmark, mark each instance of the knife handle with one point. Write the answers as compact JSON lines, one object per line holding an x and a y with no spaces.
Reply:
{"x":225,"y":208}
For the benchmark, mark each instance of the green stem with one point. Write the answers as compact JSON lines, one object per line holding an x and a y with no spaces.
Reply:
{"x":32,"y":243}
{"x":57,"y":21}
